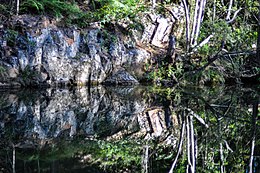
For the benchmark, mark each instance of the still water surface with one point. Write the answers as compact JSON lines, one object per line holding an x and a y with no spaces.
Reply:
{"x":140,"y":129}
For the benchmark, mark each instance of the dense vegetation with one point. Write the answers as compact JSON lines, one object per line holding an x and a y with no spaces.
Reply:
{"x":218,"y":45}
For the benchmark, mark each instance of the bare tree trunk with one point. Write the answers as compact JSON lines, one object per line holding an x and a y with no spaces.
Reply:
{"x":258,"y":38}
{"x":17,"y":7}
{"x":222,"y":2}
{"x":192,"y":36}
{"x":229,"y":10}
{"x":154,"y":3}
{"x":200,"y":19}
{"x":214,"y":11}
{"x":187,"y":20}
{"x":195,"y":19}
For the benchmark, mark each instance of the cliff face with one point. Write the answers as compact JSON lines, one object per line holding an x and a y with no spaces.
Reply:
{"x":35,"y":51}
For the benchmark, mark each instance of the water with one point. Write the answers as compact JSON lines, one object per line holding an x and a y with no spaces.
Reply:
{"x":141,"y":129}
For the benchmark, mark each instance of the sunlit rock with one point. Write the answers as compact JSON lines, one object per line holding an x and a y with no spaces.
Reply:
{"x":57,"y":56}
{"x":121,"y":77}
{"x":162,"y":32}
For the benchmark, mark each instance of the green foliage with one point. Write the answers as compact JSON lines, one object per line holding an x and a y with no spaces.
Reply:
{"x":27,"y":74}
{"x":114,"y":10}
{"x":241,"y":38}
{"x":11,"y":37}
{"x":103,"y":11}
{"x":4,"y":10}
{"x":107,"y":39}
{"x":2,"y":69}
{"x":56,"y":8}
{"x":30,"y":5}
{"x":164,"y":71}
{"x":3,"y":72}
{"x":210,"y":75}
{"x":121,"y":153}
{"x":107,"y":155}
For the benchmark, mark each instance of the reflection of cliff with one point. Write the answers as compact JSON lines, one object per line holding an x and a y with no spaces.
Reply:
{"x":98,"y":112}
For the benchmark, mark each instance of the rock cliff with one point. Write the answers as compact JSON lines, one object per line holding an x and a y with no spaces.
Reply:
{"x":36,"y":51}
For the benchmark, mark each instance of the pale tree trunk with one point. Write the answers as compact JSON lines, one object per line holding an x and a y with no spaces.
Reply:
{"x":258,"y":37}
{"x":199,"y":21}
{"x":195,"y":23}
{"x":154,"y":3}
{"x":229,"y":10}
{"x":192,"y":36}
{"x":17,"y":7}
{"x":13,"y":163}
{"x":187,"y":21}
{"x":222,"y":2}
{"x":214,"y":11}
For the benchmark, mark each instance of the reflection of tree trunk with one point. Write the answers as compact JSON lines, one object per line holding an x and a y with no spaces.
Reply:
{"x":38,"y":165}
{"x":146,"y":159}
{"x":252,"y":156}
{"x":188,"y":142}
{"x":179,"y":147}
{"x":192,"y":144}
{"x":222,"y":169}
{"x":13,"y":165}
{"x":254,"y":115}
{"x":221,"y":152}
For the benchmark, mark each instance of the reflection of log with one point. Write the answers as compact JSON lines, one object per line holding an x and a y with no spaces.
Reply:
{"x":214,"y":111}
{"x":198,"y":117}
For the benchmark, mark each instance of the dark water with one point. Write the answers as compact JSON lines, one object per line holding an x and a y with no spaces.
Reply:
{"x":141,"y":129}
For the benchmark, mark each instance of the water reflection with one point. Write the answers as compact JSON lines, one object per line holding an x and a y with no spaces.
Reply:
{"x":141,"y":129}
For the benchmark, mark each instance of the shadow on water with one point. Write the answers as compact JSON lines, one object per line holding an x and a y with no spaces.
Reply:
{"x":141,"y":129}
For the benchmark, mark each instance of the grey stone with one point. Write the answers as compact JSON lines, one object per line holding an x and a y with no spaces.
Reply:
{"x":13,"y":72}
{"x":121,"y":77}
{"x":62,"y":55}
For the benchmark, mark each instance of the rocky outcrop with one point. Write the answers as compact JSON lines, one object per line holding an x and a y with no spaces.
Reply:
{"x":35,"y":51}
{"x":120,"y":77}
